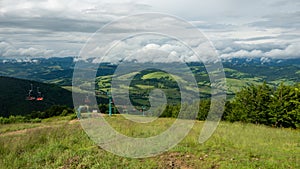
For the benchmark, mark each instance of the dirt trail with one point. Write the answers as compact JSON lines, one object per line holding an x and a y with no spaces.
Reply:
{"x":24,"y":131}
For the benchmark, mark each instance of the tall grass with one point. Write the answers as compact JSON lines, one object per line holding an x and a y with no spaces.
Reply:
{"x":237,"y":145}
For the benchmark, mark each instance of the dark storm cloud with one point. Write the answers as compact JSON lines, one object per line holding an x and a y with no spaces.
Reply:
{"x":51,"y":24}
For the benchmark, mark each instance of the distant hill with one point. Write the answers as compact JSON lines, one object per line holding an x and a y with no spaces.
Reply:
{"x":238,"y":70}
{"x":14,"y":91}
{"x":239,"y":73}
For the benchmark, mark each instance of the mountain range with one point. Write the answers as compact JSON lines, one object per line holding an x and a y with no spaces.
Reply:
{"x":53,"y":76}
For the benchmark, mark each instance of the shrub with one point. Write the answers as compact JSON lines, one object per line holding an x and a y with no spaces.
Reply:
{"x":260,"y":104}
{"x":36,"y":120}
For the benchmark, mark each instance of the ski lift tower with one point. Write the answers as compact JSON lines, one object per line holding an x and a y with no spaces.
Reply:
{"x":108,"y":93}
{"x":143,"y":110}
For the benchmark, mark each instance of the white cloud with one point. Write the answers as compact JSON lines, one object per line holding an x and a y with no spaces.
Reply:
{"x":243,"y":53}
{"x":28,"y":52}
{"x":291,"y":51}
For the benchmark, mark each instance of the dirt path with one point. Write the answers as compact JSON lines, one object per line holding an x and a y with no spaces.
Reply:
{"x":73,"y":121}
{"x":24,"y":131}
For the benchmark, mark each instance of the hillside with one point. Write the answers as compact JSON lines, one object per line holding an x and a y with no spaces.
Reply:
{"x":60,"y":143}
{"x":239,"y":71}
{"x":14,"y":92}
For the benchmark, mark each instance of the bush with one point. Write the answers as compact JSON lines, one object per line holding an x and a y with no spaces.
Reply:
{"x":36,"y":120}
{"x":55,"y":110}
{"x":35,"y":117}
{"x":261,"y":104}
{"x":17,"y":119}
{"x":4,"y":120}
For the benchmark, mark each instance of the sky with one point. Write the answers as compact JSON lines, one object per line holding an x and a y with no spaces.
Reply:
{"x":237,"y":28}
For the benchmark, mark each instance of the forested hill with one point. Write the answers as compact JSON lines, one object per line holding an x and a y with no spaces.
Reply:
{"x":14,"y":92}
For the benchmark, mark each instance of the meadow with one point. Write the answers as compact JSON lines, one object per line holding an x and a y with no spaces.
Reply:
{"x":60,"y":142}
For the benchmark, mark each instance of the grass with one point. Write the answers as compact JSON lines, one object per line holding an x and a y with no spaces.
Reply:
{"x":15,"y":127}
{"x":22,"y":126}
{"x":144,"y":86}
{"x":234,"y":145}
{"x":74,"y":89}
{"x":235,"y":85}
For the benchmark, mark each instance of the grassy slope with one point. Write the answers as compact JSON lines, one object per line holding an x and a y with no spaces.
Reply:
{"x":63,"y":144}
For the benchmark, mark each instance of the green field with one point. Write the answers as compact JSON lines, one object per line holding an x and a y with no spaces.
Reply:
{"x":61,"y":143}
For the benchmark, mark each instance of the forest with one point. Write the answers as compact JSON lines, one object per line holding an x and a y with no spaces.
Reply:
{"x":259,"y":104}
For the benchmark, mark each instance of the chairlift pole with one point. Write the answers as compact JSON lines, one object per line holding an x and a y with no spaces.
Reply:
{"x":109,"y":103}
{"x":29,"y":97}
{"x":38,"y":92}
{"x":39,"y":95}
{"x":143,"y":110}
{"x":31,"y":89}
{"x":79,"y":112}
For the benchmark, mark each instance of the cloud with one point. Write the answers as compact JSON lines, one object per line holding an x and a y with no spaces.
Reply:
{"x":51,"y":24}
{"x":257,"y":42}
{"x":243,"y":53}
{"x":7,"y":50}
{"x":290,"y":51}
{"x":237,"y":28}
{"x":57,"y":27}
{"x":143,"y":49}
{"x":280,"y":20}
{"x":4,"y":46}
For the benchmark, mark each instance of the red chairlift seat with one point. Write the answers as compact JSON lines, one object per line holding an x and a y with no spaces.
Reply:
{"x":40,"y":99}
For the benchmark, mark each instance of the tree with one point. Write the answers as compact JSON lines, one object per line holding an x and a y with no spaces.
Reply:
{"x":285,"y":107}
{"x":251,"y":104}
{"x":260,"y":104}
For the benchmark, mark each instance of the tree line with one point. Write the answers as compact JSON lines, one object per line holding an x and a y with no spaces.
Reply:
{"x":37,"y":116}
{"x":258,"y":104}
{"x":262,"y":104}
